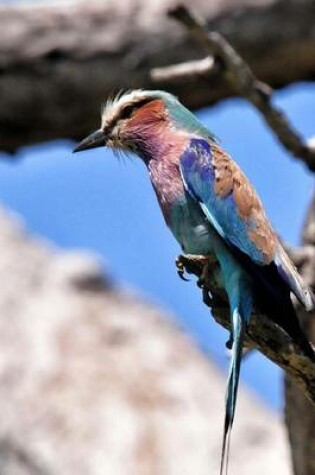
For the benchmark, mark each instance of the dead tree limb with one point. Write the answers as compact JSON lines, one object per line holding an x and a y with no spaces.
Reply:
{"x":241,"y":78}
{"x":300,"y":414}
{"x":59,"y":61}
{"x":262,"y":333}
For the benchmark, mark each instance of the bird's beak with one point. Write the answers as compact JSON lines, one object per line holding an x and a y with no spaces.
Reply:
{"x":97,"y":139}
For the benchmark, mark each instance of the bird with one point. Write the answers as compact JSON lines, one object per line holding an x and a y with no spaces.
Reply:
{"x":213,"y":211}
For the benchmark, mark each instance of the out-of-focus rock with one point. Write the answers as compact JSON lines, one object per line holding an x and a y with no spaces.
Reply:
{"x":94,"y":382}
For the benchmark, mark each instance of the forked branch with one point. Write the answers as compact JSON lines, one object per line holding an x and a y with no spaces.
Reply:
{"x":240,"y":77}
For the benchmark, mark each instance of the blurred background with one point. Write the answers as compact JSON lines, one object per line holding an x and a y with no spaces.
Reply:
{"x":109,"y":363}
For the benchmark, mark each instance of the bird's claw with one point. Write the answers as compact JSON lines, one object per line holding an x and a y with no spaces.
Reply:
{"x":229,"y":343}
{"x":181,"y":268}
{"x":202,"y":279}
{"x":206,"y":297}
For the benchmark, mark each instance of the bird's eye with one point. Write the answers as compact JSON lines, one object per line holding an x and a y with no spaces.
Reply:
{"x":126,"y":112}
{"x":129,"y":109}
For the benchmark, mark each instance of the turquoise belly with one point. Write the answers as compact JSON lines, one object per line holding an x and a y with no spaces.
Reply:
{"x":191,"y":228}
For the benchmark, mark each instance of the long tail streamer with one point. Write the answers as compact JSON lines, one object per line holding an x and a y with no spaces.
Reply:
{"x":232,"y":386}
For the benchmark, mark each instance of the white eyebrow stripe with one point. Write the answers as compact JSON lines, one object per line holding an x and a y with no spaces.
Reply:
{"x":114,"y":107}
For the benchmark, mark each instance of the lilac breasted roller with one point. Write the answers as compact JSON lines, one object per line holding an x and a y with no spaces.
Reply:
{"x":212,"y":209}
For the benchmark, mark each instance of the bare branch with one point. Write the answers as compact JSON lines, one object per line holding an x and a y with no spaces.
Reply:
{"x":243,"y":81}
{"x":60,"y":60}
{"x":186,"y":71}
{"x":299,"y":412}
{"x":262,"y":332}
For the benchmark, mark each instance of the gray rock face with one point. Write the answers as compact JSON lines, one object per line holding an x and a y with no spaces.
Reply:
{"x":94,"y":382}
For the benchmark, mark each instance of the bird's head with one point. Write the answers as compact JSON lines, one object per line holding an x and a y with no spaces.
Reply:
{"x":136,"y":120}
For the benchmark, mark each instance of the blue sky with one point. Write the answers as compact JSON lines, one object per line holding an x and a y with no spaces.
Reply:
{"x":94,"y":202}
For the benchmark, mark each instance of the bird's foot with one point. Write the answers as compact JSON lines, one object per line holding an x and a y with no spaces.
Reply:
{"x":204,"y":276}
{"x":207,"y":297}
{"x":184,"y":262}
{"x":180,"y":267}
{"x":229,"y":343}
{"x":189,"y":262}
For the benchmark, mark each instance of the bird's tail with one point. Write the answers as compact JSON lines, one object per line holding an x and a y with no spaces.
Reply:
{"x":272,"y":288}
{"x":282,"y":312}
{"x":290,"y":275}
{"x":238,"y":325}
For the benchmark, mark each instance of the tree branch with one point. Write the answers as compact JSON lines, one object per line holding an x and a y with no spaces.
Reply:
{"x":187,"y":71}
{"x":241,"y":79}
{"x":299,"y":412}
{"x":60,"y":60}
{"x":262,"y":332}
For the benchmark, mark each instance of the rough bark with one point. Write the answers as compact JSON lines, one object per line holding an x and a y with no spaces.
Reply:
{"x":92,"y":381}
{"x":58,"y":62}
{"x":300,"y":413}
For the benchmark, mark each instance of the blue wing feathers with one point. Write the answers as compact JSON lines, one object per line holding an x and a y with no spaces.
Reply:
{"x":198,"y":175}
